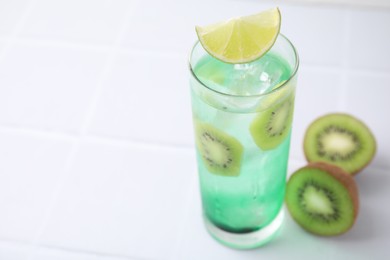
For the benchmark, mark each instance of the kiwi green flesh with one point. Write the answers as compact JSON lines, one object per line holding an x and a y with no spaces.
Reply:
{"x":341,"y":140}
{"x":270,"y":127}
{"x":220,"y":152}
{"x":319,"y":202}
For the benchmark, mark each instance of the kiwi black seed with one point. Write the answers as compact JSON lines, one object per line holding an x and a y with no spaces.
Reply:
{"x":220,"y":152}
{"x":271,"y":126}
{"x":340,"y":139}
{"x":323,"y":199}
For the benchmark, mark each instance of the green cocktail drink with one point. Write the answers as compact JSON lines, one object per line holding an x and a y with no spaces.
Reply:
{"x":242,"y":116}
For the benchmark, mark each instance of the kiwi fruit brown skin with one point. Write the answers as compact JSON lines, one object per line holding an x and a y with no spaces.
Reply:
{"x":339,"y":176}
{"x":357,"y":166}
{"x":343,"y":177}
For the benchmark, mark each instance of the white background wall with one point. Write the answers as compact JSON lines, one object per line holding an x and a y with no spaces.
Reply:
{"x":96,"y":150}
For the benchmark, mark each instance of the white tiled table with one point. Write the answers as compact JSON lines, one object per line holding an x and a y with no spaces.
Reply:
{"x":96,"y":149}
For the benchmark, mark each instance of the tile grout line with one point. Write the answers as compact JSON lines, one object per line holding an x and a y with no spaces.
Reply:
{"x":77,"y":142}
{"x":120,"y":142}
{"x":348,"y":70}
{"x":368,"y":72}
{"x":27,"y":9}
{"x":28,"y":247}
{"x":295,"y":160}
{"x":18,"y":27}
{"x":38,"y":133}
{"x":170,"y":54}
{"x":115,"y":141}
{"x":98,"y":139}
{"x":91,"y":253}
{"x":184,"y":217}
{"x":343,"y":93}
{"x":93,"y":47}
{"x":22,"y":247}
{"x":64,"y":174}
{"x":153,"y":52}
{"x":106,"y":72}
{"x":62,"y":44}
{"x":338,"y":4}
{"x":166,"y":53}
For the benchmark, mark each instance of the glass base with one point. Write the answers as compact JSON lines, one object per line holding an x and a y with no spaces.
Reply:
{"x":248,"y":240}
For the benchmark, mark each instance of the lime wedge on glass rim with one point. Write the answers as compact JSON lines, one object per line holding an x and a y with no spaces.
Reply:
{"x":242,"y":39}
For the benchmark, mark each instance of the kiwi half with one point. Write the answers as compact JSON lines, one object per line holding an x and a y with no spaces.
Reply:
{"x":220,"y":152}
{"x":271,"y":126}
{"x":323,"y":199}
{"x":340,"y":139}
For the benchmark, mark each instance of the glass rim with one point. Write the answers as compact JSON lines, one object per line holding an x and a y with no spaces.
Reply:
{"x":294,"y":72}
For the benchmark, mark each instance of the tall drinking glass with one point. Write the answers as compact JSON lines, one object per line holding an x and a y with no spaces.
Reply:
{"x":242,"y":116}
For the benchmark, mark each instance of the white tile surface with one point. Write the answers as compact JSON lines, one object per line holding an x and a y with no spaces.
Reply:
{"x":165,"y":26}
{"x":123,"y":201}
{"x":47,"y":88}
{"x":146,"y":98}
{"x":317,"y":94}
{"x":317,"y":33}
{"x":2,"y":45}
{"x":10,"y":14}
{"x":368,"y":99}
{"x":350,"y":3}
{"x":84,"y":21}
{"x":30,"y":168}
{"x":13,"y":251}
{"x":369,"y":42}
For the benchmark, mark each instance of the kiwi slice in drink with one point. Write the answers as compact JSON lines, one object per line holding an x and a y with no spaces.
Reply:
{"x":323,"y":199}
{"x":220,"y":152}
{"x":271,"y":126}
{"x":340,"y":139}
